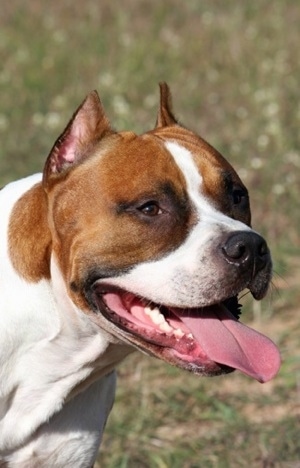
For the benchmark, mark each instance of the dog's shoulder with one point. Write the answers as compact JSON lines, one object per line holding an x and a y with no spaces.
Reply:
{"x":46,"y":349}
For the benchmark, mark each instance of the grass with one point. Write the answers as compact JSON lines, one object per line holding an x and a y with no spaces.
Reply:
{"x":175,"y":420}
{"x":234,"y":73}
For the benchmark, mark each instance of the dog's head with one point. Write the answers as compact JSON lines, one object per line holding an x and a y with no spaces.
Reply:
{"x":152,"y":236}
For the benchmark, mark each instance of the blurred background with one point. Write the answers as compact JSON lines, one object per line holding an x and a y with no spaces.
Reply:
{"x":234,"y":70}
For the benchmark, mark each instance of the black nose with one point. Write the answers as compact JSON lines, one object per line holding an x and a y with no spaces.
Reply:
{"x":246,"y":250}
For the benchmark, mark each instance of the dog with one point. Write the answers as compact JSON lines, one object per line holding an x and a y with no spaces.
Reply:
{"x":124,"y":242}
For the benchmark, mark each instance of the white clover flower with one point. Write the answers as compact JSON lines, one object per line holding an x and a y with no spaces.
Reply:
{"x":150,"y":100}
{"x":293,"y":158}
{"x":38,"y":119}
{"x":60,"y":101}
{"x":272,"y":109}
{"x":22,"y":55}
{"x":106,"y":79}
{"x":263,"y":141}
{"x":273,"y":127}
{"x":120,"y":105}
{"x":53,"y":120}
{"x":278,"y":189}
{"x":256,"y":163}
{"x":3,"y":122}
{"x":59,"y":36}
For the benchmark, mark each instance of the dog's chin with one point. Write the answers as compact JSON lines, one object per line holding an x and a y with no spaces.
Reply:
{"x":162,"y":331}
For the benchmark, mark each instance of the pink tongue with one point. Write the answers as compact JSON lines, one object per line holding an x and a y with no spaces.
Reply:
{"x":227,"y":341}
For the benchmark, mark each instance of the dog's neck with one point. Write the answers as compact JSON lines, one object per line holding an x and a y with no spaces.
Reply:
{"x":60,"y":330}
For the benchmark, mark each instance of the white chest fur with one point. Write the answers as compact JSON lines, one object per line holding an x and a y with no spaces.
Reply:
{"x":47,"y":347}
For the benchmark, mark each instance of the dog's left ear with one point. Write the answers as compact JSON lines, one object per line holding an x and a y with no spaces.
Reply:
{"x":88,"y":125}
{"x":165,"y":115}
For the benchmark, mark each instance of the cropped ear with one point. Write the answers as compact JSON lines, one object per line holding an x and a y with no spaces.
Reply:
{"x":165,"y":115}
{"x":88,"y":125}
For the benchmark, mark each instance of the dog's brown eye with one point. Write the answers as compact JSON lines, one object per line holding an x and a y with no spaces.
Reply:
{"x":238,"y":196}
{"x":150,"y":208}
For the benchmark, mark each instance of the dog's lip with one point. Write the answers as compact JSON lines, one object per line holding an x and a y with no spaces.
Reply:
{"x":207,"y":337}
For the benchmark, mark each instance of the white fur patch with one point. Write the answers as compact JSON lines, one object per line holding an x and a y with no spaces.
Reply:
{"x":184,"y":161}
{"x":72,"y":437}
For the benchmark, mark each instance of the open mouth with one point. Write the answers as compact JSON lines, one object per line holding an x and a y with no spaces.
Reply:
{"x":208,"y":340}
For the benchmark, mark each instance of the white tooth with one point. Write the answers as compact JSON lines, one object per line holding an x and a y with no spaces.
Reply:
{"x":178,"y":333}
{"x":147,"y":310}
{"x":155,"y":315}
{"x":190,"y":336}
{"x":158,"y":319}
{"x":165,"y":327}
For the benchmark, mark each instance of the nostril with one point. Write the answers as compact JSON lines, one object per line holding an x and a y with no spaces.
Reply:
{"x":263,"y":249}
{"x":235,"y":250}
{"x":263,"y":255}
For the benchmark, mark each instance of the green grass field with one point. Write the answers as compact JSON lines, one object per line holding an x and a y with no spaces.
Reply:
{"x":234,"y":71}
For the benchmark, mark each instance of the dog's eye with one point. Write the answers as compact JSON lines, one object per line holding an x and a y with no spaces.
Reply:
{"x":238,"y":195}
{"x":150,"y":208}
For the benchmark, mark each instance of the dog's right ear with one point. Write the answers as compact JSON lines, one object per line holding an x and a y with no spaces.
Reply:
{"x":88,"y":125}
{"x":165,"y":115}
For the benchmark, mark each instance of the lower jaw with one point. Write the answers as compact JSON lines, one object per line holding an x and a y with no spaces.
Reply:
{"x":189,"y":356}
{"x":198,"y":366}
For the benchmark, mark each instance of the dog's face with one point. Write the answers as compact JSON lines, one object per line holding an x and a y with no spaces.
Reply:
{"x":159,"y":244}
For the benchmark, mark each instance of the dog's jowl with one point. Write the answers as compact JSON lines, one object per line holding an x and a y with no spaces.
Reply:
{"x":124,"y":242}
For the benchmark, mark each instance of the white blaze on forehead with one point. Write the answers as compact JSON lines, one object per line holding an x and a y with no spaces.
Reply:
{"x":194,"y":180}
{"x":185,"y":162}
{"x":207,"y":212}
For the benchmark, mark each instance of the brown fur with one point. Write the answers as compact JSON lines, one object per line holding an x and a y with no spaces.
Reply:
{"x":29,"y":236}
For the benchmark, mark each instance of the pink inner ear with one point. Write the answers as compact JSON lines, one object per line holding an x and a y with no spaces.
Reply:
{"x":63,"y":153}
{"x":88,"y":125}
{"x":79,"y":132}
{"x":67,"y":150}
